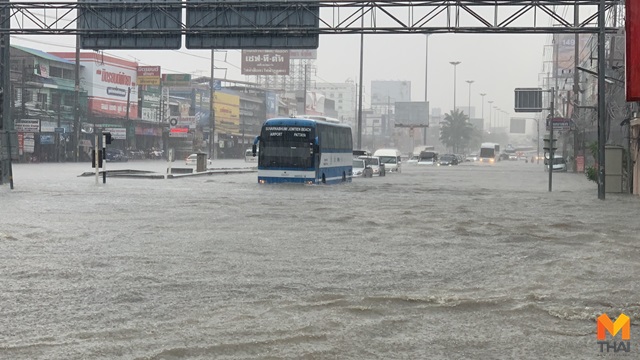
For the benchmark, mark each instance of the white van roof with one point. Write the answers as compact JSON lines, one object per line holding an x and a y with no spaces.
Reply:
{"x":387,"y":152}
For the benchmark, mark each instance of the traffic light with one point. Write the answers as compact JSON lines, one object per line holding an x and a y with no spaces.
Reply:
{"x":550,"y":145}
{"x":107,"y":138}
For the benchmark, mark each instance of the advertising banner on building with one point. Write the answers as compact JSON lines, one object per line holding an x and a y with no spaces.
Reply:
{"x":149,"y":75}
{"x":271,"y":104}
{"x":109,"y":82}
{"x":314,"y":103}
{"x":117,"y":133}
{"x":565,"y":44}
{"x":27,"y":125}
{"x":178,"y":80}
{"x":227,"y":113}
{"x":29,"y":143}
{"x":265,"y":62}
{"x":150,"y":102}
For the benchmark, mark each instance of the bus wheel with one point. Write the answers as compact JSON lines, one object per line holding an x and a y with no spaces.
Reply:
{"x":344,"y":177}
{"x":324,"y":180}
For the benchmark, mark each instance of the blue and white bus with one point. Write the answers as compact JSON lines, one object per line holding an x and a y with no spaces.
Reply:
{"x":307,"y":151}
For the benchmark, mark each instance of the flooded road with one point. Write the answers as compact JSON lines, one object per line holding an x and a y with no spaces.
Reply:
{"x":469,"y":261}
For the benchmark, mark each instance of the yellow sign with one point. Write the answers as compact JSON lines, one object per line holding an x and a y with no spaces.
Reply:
{"x":227,"y":113}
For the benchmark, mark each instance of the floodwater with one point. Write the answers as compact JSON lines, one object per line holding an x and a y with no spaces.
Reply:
{"x":461,"y":262}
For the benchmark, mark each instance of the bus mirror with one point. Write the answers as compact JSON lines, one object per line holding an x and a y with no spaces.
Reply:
{"x":253,"y":150}
{"x":316,"y":148}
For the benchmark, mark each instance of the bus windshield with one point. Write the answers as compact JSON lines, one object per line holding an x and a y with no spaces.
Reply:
{"x":287,"y":147}
{"x":487,"y":153}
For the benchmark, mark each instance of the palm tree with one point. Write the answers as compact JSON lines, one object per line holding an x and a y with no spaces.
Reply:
{"x":456,"y":131}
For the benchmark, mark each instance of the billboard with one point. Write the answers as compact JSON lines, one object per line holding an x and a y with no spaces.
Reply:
{"x":265,"y":62}
{"x":412,"y":113}
{"x":271,"y":99}
{"x":389,"y":92}
{"x":565,"y":46}
{"x":227,"y":113}
{"x":109,"y":82}
{"x":150,"y":102}
{"x":314,"y":103}
{"x":518,"y":126}
{"x":149,"y":75}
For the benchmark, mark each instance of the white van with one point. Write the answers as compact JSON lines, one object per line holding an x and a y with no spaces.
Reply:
{"x":391,"y":158}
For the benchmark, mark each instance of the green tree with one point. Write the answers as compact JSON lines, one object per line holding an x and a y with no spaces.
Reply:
{"x":456,"y":131}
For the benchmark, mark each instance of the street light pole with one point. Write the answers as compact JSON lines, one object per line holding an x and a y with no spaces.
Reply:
{"x":490,"y":107}
{"x":455,"y":65}
{"x":482,"y":106}
{"x":469,"y":82}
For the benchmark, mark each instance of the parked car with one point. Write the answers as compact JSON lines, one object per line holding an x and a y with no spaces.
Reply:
{"x":413,"y":160}
{"x":559,"y":163}
{"x":113,"y":155}
{"x":448,"y":160}
{"x":193,"y":160}
{"x":360,"y":169}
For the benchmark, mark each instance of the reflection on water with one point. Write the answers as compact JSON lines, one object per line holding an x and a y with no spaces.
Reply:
{"x":454,"y":262}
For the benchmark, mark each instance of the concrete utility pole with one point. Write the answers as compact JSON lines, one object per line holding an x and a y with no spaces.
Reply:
{"x":602,"y":121}
{"x":76,"y":103}
{"x":212,"y":111}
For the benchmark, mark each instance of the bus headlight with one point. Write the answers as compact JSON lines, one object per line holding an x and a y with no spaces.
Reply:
{"x":261,"y":181}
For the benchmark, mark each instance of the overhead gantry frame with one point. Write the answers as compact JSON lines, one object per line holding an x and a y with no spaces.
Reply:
{"x":335,"y":17}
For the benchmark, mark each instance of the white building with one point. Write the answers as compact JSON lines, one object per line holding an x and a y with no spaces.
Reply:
{"x":345,"y":97}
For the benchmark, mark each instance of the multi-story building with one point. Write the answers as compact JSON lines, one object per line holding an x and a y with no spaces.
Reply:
{"x":344,"y":96}
{"x":43,"y":104}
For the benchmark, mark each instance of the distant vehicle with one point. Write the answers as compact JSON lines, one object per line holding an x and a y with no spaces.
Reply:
{"x":358,"y":153}
{"x":428,"y":158}
{"x":472,"y":157}
{"x":193,"y":160}
{"x":375,"y":164}
{"x":448,"y":160}
{"x":418,"y":149}
{"x":249,"y":157}
{"x":360,"y":169}
{"x":489,"y":153}
{"x":559,"y":163}
{"x":413,"y":160}
{"x":391,"y":158}
{"x":305,"y":151}
{"x":115,"y":155}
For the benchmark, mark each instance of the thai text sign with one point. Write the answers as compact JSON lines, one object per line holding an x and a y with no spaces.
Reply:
{"x":265,"y":62}
{"x":149,"y":75}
